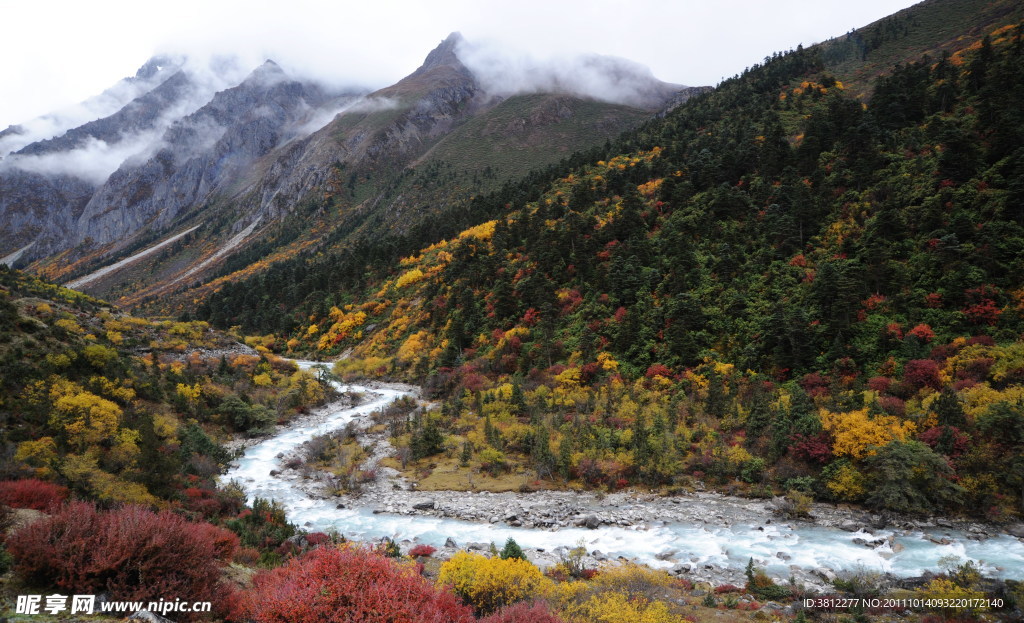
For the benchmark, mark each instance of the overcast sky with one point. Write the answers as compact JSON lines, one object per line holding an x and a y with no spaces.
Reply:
{"x":56,"y":53}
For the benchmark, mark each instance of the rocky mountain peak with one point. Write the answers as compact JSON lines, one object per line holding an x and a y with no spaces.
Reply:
{"x":266,"y":74}
{"x":444,"y":55}
{"x":157,"y":64}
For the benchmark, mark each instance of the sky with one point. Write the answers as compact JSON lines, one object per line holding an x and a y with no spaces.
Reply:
{"x":59,"y":52}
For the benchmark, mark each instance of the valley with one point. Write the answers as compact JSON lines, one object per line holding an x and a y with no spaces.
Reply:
{"x":508,"y":340}
{"x":705,"y":537}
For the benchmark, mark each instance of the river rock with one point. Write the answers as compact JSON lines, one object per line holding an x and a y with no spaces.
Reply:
{"x":424,"y":506}
{"x":668,"y":554}
{"x":850,"y":526}
{"x":450,"y":542}
{"x":1016,"y":530}
{"x":591,"y":522}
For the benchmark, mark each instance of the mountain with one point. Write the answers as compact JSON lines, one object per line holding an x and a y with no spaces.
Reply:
{"x":778,"y":283}
{"x":148,"y":77}
{"x":275,"y":166}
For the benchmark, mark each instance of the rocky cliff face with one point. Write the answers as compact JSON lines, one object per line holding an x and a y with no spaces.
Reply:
{"x":202,"y":154}
{"x":251,"y":153}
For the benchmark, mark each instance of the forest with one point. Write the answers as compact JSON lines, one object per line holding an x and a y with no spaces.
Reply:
{"x":774,"y":288}
{"x":781,"y":288}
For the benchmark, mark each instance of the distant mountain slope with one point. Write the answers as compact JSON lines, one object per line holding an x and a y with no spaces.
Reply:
{"x":931,"y":27}
{"x":262,"y":187}
{"x":775,"y":287}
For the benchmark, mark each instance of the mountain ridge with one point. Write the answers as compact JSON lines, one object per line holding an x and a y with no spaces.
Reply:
{"x":385,"y":135}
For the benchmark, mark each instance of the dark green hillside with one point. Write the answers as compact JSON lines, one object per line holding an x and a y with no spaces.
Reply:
{"x":775,"y":283}
{"x":931,"y":27}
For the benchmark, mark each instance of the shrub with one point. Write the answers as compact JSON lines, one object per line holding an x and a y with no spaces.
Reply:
{"x":632,"y":580}
{"x":613,"y":607}
{"x":761,"y":585}
{"x":32,"y":493}
{"x":131,"y":553}
{"x":389,"y":548}
{"x":523,"y":612}
{"x":349,"y":584}
{"x":422,"y":550}
{"x":922,"y":373}
{"x":264,"y":527}
{"x":488,"y":584}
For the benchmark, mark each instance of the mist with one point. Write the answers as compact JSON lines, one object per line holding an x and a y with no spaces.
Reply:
{"x":322,"y":116}
{"x":92,"y":162}
{"x":504,"y":71}
{"x":58,"y":122}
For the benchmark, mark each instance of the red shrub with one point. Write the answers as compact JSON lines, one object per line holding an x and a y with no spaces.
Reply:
{"x":893,"y":405}
{"x":32,"y":493}
{"x":946,"y":439}
{"x":131,"y":553}
{"x":815,"y":384}
{"x":879,"y":384}
{"x":352,"y":584}
{"x":317,"y":538}
{"x":727,"y":588}
{"x":922,"y":332}
{"x":922,"y":373}
{"x":658,"y":369}
{"x":523,"y":612}
{"x":812,"y":448}
{"x":422,"y":550}
{"x":247,"y":556}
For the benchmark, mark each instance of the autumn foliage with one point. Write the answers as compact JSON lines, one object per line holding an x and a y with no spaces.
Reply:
{"x":130,"y":553}
{"x":348,"y":585}
{"x":523,"y":612}
{"x":32,"y":493}
{"x":490,"y":583}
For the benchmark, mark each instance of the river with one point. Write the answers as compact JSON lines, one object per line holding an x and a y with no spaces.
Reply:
{"x":781,"y":547}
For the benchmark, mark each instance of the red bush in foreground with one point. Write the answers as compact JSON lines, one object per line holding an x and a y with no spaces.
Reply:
{"x":349,"y":585}
{"x":131,"y":553}
{"x":523,"y":612}
{"x":32,"y":493}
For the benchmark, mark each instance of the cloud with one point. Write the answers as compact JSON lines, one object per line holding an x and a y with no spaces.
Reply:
{"x":59,"y":122}
{"x":502,"y":70}
{"x":318,"y":118}
{"x":94,"y":161}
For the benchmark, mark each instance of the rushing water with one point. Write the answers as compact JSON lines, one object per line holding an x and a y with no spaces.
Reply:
{"x":807,"y":546}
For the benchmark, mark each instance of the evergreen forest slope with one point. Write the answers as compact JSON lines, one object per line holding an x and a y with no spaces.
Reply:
{"x":775,"y":284}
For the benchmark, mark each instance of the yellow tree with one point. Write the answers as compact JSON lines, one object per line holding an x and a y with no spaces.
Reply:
{"x":856,"y":432}
{"x":86,"y":418}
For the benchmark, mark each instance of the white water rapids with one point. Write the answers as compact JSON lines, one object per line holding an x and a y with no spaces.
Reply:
{"x":808,"y":546}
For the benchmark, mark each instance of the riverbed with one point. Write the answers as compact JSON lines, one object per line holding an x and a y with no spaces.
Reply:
{"x":701,"y":535}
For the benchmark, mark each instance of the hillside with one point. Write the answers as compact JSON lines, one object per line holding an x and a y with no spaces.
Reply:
{"x":276,"y":166}
{"x":774,"y":285}
{"x":124,"y":409}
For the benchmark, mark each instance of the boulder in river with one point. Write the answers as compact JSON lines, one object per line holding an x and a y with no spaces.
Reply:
{"x":424,"y":506}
